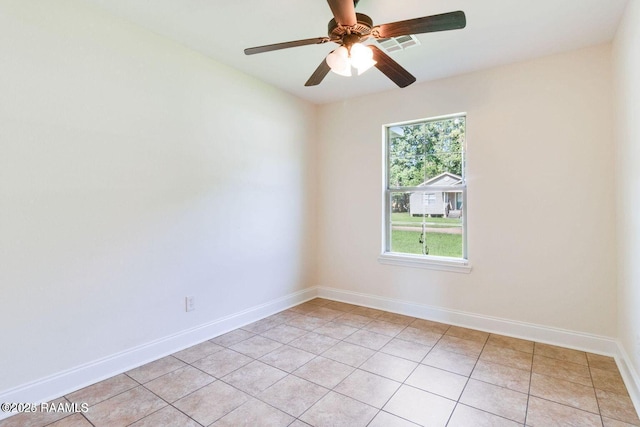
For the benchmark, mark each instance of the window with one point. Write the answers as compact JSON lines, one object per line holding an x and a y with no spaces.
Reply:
{"x":430,"y":199}
{"x":425,"y":194}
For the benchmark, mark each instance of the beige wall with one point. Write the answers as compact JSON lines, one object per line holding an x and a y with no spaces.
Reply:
{"x":134,"y":172}
{"x":535,"y":131}
{"x":627,"y":125}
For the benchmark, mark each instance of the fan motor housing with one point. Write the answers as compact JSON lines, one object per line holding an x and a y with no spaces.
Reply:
{"x":362,"y":28}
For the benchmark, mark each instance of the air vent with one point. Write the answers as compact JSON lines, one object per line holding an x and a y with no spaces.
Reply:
{"x":394,"y":44}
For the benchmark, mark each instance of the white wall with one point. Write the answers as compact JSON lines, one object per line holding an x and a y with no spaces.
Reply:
{"x":540,"y":135}
{"x":627,"y":125}
{"x":134,"y":172}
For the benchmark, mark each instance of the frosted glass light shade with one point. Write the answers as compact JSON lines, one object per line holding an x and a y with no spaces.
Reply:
{"x":361,"y":58}
{"x":339,"y":62}
{"x":360,"y":54}
{"x":365,"y":65}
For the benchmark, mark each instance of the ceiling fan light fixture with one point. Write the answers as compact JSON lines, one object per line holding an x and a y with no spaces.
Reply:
{"x":361,"y":57}
{"x":357,"y":56}
{"x":348,"y":28}
{"x":339,"y":62}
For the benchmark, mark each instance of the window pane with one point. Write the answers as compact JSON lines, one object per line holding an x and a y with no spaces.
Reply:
{"x":444,"y":139}
{"x":421,"y":152}
{"x":406,"y":157}
{"x":420,"y":225}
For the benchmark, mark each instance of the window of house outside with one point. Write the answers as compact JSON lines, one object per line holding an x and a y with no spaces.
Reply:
{"x":425,"y":194}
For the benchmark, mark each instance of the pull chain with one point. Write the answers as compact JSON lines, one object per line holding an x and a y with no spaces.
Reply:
{"x":423,"y":240}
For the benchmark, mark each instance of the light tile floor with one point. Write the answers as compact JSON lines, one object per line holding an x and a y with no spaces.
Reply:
{"x":326,"y":363}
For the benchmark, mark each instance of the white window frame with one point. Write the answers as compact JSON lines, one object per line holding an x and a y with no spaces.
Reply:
{"x":459,"y":265}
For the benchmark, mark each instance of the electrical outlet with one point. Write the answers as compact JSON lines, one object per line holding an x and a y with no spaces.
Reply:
{"x":190,"y":303}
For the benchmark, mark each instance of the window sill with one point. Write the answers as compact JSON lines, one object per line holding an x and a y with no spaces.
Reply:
{"x":431,"y":263}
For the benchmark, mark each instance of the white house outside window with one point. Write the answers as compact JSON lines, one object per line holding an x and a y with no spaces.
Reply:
{"x":425,"y":194}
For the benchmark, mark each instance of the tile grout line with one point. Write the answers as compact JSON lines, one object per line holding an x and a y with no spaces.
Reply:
{"x":526,"y":413}
{"x":594,"y":391}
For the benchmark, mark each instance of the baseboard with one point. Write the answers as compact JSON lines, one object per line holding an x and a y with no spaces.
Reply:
{"x":629,"y":375}
{"x":62,"y":383}
{"x":544,"y":334}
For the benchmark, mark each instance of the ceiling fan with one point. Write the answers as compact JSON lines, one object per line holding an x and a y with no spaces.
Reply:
{"x":349,"y":29}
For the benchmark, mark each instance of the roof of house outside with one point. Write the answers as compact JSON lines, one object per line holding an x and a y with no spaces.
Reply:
{"x":445,"y":178}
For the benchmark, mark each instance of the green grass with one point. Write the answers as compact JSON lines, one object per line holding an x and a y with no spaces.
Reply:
{"x":440,"y":244}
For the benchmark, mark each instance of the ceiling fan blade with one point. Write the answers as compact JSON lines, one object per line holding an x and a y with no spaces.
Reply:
{"x":391,"y":68}
{"x":319,"y":74}
{"x":426,"y":24}
{"x":285,"y":45}
{"x":344,"y":12}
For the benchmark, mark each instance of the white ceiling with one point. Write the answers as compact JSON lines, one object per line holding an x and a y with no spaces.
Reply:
{"x":497,"y":32}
